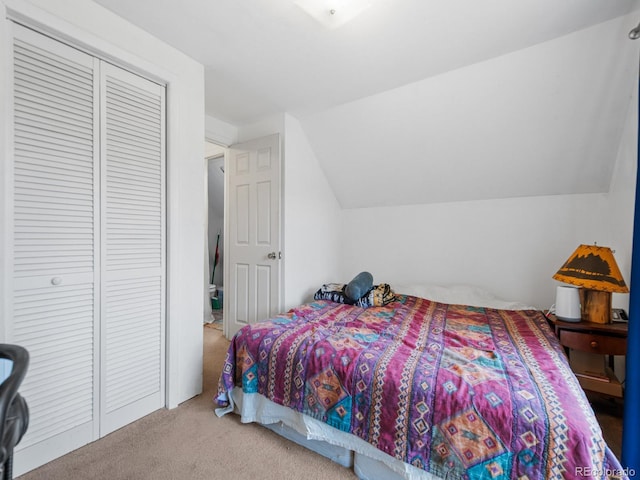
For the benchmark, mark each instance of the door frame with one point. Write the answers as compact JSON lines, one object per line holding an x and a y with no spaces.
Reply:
{"x":207,"y":158}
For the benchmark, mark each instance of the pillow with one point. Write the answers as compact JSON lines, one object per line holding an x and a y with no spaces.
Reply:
{"x":460,"y":295}
{"x":359,"y":286}
{"x":377,"y":296}
{"x":333,"y":292}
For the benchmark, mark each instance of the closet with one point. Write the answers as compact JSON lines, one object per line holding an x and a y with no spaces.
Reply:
{"x":87,"y":242}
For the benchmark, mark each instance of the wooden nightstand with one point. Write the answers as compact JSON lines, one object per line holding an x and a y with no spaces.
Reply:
{"x":587,"y":344}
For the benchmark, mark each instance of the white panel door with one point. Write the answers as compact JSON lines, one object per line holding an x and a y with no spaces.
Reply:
{"x":253,"y":254}
{"x":54,"y":274}
{"x":133,"y":251}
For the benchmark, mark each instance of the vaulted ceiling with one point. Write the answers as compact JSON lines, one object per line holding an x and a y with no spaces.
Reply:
{"x":420,"y":101}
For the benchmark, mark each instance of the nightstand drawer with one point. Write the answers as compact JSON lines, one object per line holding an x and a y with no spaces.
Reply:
{"x":594,"y":343}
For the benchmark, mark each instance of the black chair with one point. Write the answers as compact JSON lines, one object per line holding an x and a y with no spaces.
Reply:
{"x":14,"y":413}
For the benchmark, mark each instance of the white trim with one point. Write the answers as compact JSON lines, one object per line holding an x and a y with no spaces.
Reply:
{"x":6,"y":179}
{"x":97,"y":252}
{"x":281,"y":212}
{"x":219,"y":132}
{"x":215,"y":136}
{"x":225,"y":244}
{"x":32,"y":17}
{"x":173,"y":202}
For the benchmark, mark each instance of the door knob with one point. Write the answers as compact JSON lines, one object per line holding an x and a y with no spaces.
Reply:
{"x":272,"y":256}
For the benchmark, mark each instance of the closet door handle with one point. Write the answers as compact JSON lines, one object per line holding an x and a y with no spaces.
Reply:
{"x":56,"y":280}
{"x":272,"y":256}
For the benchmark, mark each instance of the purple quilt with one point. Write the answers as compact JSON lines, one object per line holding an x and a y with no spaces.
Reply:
{"x":461,"y":392}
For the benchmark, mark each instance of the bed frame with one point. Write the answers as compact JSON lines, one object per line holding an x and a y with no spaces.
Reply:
{"x":345,"y":449}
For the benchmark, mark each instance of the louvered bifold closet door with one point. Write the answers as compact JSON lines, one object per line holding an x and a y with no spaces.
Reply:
{"x":54,"y":243}
{"x":133,"y":255}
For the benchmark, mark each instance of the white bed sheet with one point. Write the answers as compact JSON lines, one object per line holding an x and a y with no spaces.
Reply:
{"x":368,"y":462}
{"x":460,"y":295}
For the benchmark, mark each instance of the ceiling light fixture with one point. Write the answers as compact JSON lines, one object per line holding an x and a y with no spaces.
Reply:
{"x":334,"y":13}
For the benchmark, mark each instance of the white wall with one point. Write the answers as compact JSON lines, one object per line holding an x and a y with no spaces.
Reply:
{"x":311,"y":220}
{"x":618,"y":214}
{"x":553,"y":119}
{"x":219,"y":132}
{"x":510,"y":246}
{"x":262,"y":128}
{"x":100,"y":32}
{"x":618,"y":218}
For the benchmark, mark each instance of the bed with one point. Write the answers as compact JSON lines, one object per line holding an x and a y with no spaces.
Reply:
{"x":424,"y":387}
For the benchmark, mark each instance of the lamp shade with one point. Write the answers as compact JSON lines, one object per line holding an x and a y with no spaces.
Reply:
{"x":594,"y":268}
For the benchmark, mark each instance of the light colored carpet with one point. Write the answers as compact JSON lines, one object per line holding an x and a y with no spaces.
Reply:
{"x":191,"y":442}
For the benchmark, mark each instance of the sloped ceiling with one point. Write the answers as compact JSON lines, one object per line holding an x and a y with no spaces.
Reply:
{"x":420,"y":101}
{"x":540,"y":121}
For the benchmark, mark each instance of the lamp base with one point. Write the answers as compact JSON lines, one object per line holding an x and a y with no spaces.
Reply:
{"x":596,"y":306}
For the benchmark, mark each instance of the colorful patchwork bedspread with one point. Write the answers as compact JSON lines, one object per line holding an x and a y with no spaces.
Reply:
{"x":461,"y":392}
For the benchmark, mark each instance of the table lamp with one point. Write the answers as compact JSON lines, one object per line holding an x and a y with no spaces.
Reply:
{"x":594,"y":269}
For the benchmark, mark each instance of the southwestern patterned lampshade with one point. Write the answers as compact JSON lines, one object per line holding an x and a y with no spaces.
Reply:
{"x":594,"y":268}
